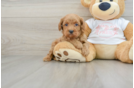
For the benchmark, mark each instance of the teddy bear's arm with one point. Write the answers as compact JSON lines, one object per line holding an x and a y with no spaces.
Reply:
{"x":87,"y":30}
{"x":128,"y":32}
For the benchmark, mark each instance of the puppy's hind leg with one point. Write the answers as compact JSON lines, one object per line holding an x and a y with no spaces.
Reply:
{"x":50,"y":54}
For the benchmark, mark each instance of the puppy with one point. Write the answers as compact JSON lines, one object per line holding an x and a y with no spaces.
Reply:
{"x":72,"y":27}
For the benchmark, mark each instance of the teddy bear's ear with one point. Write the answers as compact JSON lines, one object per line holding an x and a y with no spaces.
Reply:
{"x":86,"y":3}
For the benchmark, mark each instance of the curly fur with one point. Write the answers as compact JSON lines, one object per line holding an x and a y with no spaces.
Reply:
{"x":77,"y":38}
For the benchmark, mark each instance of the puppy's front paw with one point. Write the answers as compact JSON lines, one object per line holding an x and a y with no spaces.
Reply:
{"x":85,"y":51}
{"x":79,"y":46}
{"x":47,"y":58}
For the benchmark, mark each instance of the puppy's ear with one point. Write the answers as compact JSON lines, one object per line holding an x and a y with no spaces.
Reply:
{"x":86,"y":3}
{"x":60,"y":26}
{"x":82,"y":24}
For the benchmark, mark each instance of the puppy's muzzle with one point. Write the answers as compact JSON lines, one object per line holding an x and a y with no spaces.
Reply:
{"x":71,"y":31}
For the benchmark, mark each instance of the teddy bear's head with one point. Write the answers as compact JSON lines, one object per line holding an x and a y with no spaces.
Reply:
{"x":105,"y":9}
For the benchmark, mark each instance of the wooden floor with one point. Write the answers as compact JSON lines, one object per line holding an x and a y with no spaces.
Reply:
{"x":32,"y":72}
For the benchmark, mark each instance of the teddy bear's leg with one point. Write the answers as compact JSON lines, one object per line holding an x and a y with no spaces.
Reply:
{"x":65,"y":51}
{"x":92,"y":52}
{"x":124,"y":51}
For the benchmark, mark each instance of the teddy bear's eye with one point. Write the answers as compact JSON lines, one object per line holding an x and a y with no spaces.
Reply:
{"x":100,"y":0}
{"x":111,"y":0}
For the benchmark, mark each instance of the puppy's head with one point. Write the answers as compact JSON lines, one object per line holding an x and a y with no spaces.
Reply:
{"x":72,"y":26}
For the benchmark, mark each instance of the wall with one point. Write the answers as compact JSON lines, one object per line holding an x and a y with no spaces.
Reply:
{"x":30,"y":26}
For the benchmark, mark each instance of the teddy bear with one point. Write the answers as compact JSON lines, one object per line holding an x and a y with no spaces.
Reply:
{"x":109,"y":35}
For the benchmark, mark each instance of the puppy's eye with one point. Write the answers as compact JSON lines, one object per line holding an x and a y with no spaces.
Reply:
{"x":66,"y":24}
{"x":111,"y":0}
{"x":76,"y":24}
{"x":100,"y":0}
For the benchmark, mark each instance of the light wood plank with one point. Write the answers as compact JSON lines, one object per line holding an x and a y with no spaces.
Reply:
{"x":8,"y":59}
{"x":29,"y":2}
{"x":45,"y":1}
{"x":32,"y":72}
{"x":15,"y":2}
{"x":51,"y":10}
{"x":114,"y":74}
{"x":14,"y":71}
{"x":30,"y":36}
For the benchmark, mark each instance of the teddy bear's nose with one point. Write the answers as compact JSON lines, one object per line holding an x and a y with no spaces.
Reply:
{"x":104,"y":6}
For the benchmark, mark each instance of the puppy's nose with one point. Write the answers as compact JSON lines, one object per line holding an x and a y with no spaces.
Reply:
{"x":71,"y":31}
{"x":104,"y":6}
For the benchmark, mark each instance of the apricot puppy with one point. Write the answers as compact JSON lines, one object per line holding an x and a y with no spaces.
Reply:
{"x":72,"y":27}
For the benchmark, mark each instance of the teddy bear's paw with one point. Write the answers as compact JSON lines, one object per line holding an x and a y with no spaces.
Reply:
{"x":131,"y":53}
{"x":69,"y":55}
{"x":72,"y":60}
{"x":47,"y":58}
